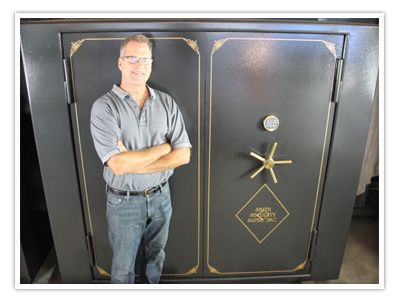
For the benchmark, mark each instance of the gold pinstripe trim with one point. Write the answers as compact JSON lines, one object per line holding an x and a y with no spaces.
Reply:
{"x":217,"y":45}
{"x":193,"y":45}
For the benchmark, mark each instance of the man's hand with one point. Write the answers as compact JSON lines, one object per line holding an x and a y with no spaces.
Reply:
{"x":121,"y":146}
{"x":167,"y":148}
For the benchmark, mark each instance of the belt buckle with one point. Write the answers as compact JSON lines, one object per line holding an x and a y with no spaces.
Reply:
{"x":146,"y":191}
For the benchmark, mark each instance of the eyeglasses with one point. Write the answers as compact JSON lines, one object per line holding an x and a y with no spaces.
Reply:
{"x":135,"y":60}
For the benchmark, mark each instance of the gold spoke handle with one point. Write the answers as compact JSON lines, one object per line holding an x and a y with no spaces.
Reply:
{"x":256,"y":172}
{"x":271,"y":155}
{"x":269,"y":163}
{"x":273,"y":175}
{"x":282,"y":162}
{"x":257,"y":156}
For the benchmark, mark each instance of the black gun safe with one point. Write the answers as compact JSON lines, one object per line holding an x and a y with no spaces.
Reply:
{"x":277,"y":113}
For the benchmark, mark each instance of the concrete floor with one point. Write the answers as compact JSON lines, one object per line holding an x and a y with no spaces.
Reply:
{"x":360,"y":262}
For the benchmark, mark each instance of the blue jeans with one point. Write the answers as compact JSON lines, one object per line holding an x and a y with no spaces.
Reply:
{"x":129,"y":220}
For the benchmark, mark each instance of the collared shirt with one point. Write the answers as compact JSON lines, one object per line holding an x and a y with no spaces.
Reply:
{"x":117,"y":116}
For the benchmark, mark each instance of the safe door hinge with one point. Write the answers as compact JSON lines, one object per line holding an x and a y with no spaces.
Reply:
{"x":89,"y":245}
{"x":68,"y":88}
{"x":313,"y":244}
{"x":337,"y":87}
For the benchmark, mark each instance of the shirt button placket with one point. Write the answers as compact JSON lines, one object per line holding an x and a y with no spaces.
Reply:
{"x":143,"y":117}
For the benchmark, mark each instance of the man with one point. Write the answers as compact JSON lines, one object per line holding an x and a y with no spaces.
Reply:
{"x":140,"y":137}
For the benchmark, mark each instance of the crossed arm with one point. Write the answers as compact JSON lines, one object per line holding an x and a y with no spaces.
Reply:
{"x":150,"y":160}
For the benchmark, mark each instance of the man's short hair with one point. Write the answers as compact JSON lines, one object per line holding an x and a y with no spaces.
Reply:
{"x":135,"y":38}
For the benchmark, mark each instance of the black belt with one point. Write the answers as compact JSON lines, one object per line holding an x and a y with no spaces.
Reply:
{"x":146,"y":192}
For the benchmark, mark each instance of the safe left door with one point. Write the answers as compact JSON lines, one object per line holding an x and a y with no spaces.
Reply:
{"x":90,"y":61}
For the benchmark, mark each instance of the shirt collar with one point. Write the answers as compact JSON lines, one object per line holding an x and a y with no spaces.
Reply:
{"x":122,"y":94}
{"x":152,"y":93}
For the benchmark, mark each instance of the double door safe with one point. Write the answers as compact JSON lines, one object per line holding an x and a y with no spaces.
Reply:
{"x":277,"y":114}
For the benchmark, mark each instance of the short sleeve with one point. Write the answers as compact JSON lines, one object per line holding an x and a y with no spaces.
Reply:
{"x":105,"y":130}
{"x":177,"y":135}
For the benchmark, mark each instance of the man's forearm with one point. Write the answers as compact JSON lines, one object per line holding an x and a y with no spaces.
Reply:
{"x":132,"y":161}
{"x":174,"y":159}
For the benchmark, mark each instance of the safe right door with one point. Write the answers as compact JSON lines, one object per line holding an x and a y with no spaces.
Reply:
{"x":268,"y":127}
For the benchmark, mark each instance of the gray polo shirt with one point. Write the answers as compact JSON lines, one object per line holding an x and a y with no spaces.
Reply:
{"x":116,"y":116}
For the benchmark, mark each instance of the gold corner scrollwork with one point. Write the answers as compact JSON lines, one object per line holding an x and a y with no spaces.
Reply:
{"x":331,"y":47}
{"x":217,"y":45}
{"x":192,"y":271}
{"x":192,"y":44}
{"x":75,"y":46}
{"x":103,"y":272}
{"x":213,"y":270}
{"x":300,"y":266}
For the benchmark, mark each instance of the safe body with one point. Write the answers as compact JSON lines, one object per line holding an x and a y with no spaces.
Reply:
{"x":299,"y":94}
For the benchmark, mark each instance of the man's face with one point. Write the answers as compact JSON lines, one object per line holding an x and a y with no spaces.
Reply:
{"x":138,"y":73}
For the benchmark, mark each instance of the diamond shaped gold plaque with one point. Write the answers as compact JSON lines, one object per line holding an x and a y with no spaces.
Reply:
{"x":262,"y":214}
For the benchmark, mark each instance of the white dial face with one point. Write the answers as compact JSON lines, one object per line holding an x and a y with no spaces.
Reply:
{"x":271,"y":123}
